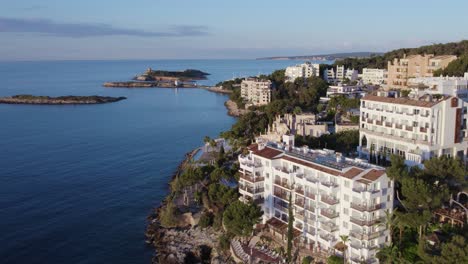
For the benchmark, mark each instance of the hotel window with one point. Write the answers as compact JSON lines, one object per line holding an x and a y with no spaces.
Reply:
{"x":346,"y":198}
{"x":345,"y":211}
{"x":267,"y":175}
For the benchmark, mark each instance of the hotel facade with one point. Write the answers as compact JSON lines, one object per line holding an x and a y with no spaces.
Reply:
{"x":304,"y":70}
{"x":417,"y":127}
{"x":256,"y":91}
{"x":330,"y":195}
{"x":413,"y":66}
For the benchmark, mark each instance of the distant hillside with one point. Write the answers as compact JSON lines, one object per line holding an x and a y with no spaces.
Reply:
{"x":452,"y":48}
{"x":333,"y":56}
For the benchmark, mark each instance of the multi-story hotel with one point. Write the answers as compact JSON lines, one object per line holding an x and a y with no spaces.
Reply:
{"x":373,"y":76}
{"x":256,"y":91}
{"x":330,"y":195}
{"x":414,"y":66}
{"x":330,"y":76}
{"x":304,"y":70}
{"x":416,"y":127}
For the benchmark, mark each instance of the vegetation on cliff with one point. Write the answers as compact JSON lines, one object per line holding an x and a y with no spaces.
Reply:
{"x":33,"y":99}
{"x":457,"y":67}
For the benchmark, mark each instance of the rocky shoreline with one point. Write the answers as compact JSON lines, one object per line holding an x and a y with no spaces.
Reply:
{"x":233,"y":109}
{"x":61,"y":100}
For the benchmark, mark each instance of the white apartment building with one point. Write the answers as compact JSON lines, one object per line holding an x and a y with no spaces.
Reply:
{"x":416,"y":128}
{"x":330,"y":76}
{"x":304,"y":70}
{"x":330,"y":195}
{"x":350,"y":91}
{"x":453,"y":86}
{"x":256,"y":91}
{"x":373,"y":76}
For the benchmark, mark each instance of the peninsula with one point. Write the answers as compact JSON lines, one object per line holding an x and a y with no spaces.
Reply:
{"x":61,"y":100}
{"x":162,"y":79}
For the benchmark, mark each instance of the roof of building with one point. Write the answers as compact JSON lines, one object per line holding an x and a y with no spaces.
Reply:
{"x":351,"y":173}
{"x":268,"y":153}
{"x":373,"y":174}
{"x":441,"y":57}
{"x":403,"y":101}
{"x":313,"y":166}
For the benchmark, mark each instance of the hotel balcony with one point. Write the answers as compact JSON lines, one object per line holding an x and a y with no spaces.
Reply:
{"x":251,"y":179}
{"x":299,"y":203}
{"x":309,"y":208}
{"x":312,"y":179}
{"x":423,"y":129}
{"x":329,"y":199}
{"x":310,"y":195}
{"x":365,"y":235}
{"x":329,"y":213}
{"x":365,"y":207}
{"x":299,"y":215}
{"x":398,"y":126}
{"x":379,"y":123}
{"x":283,"y":184}
{"x":364,"y":189}
{"x":408,"y":128}
{"x":330,"y":239}
{"x":329,"y":184}
{"x":330,"y":227}
{"x":300,"y":191}
{"x":280,"y":207}
{"x":388,"y":124}
{"x":395,"y":137}
{"x":364,"y":222}
{"x":311,"y":231}
{"x":251,"y":190}
{"x":280,"y":194}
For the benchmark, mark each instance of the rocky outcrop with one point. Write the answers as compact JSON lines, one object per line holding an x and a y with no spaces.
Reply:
{"x":61,"y":100}
{"x":131,"y":84}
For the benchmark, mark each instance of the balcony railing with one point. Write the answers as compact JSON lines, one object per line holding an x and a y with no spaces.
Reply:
{"x":365,"y":207}
{"x":363,"y":222}
{"x":370,"y":121}
{"x":364,"y":189}
{"x":283,"y":184}
{"x":282,"y":195}
{"x":252,"y":179}
{"x":309,"y":208}
{"x":409,"y":128}
{"x":330,"y":227}
{"x":329,"y":199}
{"x":311,"y":231}
{"x":423,"y":129}
{"x":327,"y":237}
{"x":299,"y":203}
{"x":280,"y":207}
{"x":300,"y":191}
{"x":398,"y":126}
{"x":365,"y":235}
{"x":310,"y":195}
{"x":312,"y":179}
{"x":378,"y":122}
{"x":329,"y":184}
{"x":388,"y":124}
{"x":329,"y":213}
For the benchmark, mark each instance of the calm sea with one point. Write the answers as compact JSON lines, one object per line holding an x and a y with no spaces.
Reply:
{"x":77,"y":182}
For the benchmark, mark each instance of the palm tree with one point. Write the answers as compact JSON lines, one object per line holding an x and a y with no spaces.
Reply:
{"x":388,"y":254}
{"x":390,"y":221}
{"x":344,"y":239}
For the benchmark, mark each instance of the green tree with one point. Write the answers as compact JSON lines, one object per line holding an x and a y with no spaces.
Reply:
{"x":168,"y":215}
{"x":389,"y":254}
{"x":206,"y":220}
{"x":239,"y":218}
{"x":335,"y":260}
{"x":455,"y":251}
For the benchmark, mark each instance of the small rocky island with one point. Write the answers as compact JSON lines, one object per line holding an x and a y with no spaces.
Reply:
{"x":61,"y":100}
{"x":164,"y":79}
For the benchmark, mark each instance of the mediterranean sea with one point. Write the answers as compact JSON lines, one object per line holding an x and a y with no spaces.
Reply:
{"x":77,"y":182}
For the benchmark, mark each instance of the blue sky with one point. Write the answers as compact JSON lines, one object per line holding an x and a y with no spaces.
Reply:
{"x":199,"y":29}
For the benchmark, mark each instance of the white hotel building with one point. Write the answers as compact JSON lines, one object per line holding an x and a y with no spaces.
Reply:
{"x":304,"y":70}
{"x":373,"y":76}
{"x":416,"y":128}
{"x":256,"y":91}
{"x":331,"y":196}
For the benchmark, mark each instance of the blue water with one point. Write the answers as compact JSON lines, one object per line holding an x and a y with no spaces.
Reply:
{"x":77,"y":182}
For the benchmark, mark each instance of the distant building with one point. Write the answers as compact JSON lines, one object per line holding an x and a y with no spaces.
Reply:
{"x":331,"y":196}
{"x":414,"y":66}
{"x":453,"y":86}
{"x":304,"y":124}
{"x":256,"y":91}
{"x":304,"y":70}
{"x":416,"y":128}
{"x":331,"y":76}
{"x":373,"y":76}
{"x":350,"y":91}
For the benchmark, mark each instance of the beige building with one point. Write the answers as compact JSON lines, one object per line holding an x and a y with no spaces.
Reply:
{"x":413,"y":66}
{"x":301,"y":125}
{"x":256,"y":91}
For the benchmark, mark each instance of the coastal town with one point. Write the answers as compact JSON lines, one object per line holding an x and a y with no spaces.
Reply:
{"x":330,"y":163}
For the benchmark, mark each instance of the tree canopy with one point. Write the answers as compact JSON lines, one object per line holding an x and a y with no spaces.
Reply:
{"x":239,"y":218}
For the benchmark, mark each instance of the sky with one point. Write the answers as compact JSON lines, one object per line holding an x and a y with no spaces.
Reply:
{"x":219,"y":29}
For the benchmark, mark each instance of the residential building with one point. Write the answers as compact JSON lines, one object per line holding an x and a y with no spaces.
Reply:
{"x":330,"y":76}
{"x":373,"y":76}
{"x":303,"y":124}
{"x":256,"y":91}
{"x":350,"y":91}
{"x":414,"y":66}
{"x":416,"y":128}
{"x":331,"y":196}
{"x":304,"y":70}
{"x":453,"y":86}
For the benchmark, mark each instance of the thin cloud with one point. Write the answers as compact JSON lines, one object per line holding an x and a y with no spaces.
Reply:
{"x":79,"y":30}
